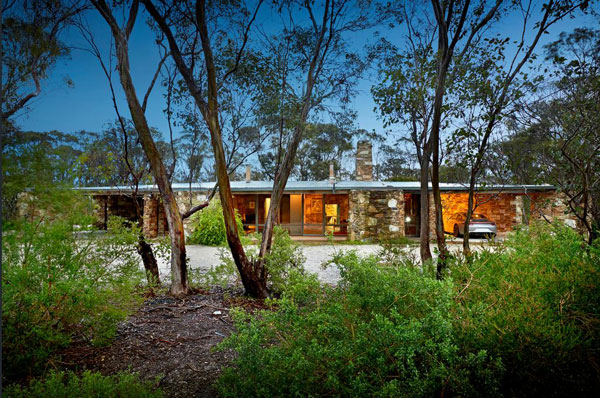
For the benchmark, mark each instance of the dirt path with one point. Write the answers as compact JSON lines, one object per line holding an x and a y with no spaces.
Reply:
{"x":170,"y":340}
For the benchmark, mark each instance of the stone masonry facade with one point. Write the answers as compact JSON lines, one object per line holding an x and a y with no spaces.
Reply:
{"x":376,"y":215}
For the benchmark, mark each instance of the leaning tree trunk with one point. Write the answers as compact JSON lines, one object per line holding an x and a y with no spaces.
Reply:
{"x":253,"y":273}
{"x":254,"y":285}
{"x":179,"y":285}
{"x":285,"y":168}
{"x":253,"y":278}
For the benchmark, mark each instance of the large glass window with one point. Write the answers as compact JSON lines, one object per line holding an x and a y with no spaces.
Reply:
{"x":411,"y":214}
{"x":313,"y":214}
{"x":291,"y":214}
{"x":264,"y":203}
{"x":336,"y":214}
{"x":246,"y":207}
{"x":308,"y":214}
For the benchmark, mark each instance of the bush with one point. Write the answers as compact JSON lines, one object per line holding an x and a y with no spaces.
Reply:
{"x":209,"y":226}
{"x":384,"y":331}
{"x":58,"y":288}
{"x":536,"y":304}
{"x":285,"y":262}
{"x":62,"y":385}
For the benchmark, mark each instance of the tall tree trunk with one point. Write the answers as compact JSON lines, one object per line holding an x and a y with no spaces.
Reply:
{"x":435,"y":169}
{"x":424,"y":221}
{"x":179,"y":285}
{"x":253,"y":278}
{"x":254,"y":282}
{"x":253,"y":273}
{"x":285,"y":168}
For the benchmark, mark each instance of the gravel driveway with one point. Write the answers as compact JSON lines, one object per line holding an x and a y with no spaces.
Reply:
{"x":204,"y":257}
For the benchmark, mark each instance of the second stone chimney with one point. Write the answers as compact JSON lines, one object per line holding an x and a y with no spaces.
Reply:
{"x":364,"y":161}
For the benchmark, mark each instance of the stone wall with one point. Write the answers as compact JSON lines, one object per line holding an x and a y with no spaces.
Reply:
{"x":376,"y":215}
{"x":551,"y":206}
{"x":154,"y":220}
{"x":185,"y":201}
{"x":101,"y":211}
{"x":150,"y":217}
{"x":364,"y":161}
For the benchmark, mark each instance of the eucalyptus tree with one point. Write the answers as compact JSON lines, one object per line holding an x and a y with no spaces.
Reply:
{"x":394,"y":163}
{"x":493,"y":83}
{"x":405,"y":96}
{"x":114,"y":157}
{"x":160,"y":172}
{"x":323,"y":145}
{"x":31,"y":46}
{"x":569,"y":121}
{"x":326,"y":69}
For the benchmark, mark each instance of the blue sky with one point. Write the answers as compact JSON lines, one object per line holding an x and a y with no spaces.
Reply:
{"x":87,"y":105}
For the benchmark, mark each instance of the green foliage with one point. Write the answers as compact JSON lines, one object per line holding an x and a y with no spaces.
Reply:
{"x":520,"y":321}
{"x":59,"y":287}
{"x":37,"y":168}
{"x":384,"y":331}
{"x":322,"y":145}
{"x":209,"y":226}
{"x":536,"y":305}
{"x":69,"y":384}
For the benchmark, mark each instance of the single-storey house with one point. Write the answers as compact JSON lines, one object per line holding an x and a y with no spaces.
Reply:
{"x":362,"y":209}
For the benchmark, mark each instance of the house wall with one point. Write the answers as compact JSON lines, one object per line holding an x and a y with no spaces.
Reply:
{"x":373,"y":215}
{"x":551,"y":205}
{"x":376,"y":215}
{"x":498,"y":207}
{"x":507,"y":210}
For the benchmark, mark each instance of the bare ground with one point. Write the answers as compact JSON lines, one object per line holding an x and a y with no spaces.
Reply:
{"x":170,"y":340}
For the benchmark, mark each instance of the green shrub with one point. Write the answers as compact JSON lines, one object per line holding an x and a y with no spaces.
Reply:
{"x":384,"y":331}
{"x":209,"y":226}
{"x":536,"y":304}
{"x":285,"y":262}
{"x":70,"y":385}
{"x":58,"y":288}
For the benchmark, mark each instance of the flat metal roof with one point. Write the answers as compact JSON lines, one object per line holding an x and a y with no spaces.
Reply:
{"x":324,"y":186}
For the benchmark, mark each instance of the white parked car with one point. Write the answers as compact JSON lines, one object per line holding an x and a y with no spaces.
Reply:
{"x":480,"y":225}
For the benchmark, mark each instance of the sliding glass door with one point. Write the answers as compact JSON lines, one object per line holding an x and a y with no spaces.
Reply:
{"x":313,"y":214}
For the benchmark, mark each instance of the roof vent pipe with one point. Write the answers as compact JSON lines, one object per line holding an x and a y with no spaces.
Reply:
{"x":331,"y":174}
{"x":248,"y":172}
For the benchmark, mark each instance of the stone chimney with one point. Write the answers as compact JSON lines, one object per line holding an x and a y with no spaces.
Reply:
{"x":364,"y":161}
{"x":248,"y":173}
